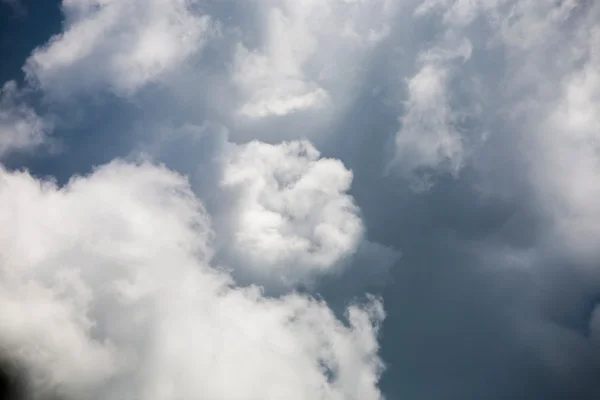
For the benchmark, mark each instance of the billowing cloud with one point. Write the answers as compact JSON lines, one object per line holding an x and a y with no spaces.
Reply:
{"x":490,"y":105}
{"x":292,"y":218}
{"x":199,"y":54}
{"x":108,"y":292}
{"x":118,"y":45}
{"x":293,"y":69}
{"x":282,"y":213}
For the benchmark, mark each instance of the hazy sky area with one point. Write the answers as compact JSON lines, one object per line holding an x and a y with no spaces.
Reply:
{"x":300,"y":199}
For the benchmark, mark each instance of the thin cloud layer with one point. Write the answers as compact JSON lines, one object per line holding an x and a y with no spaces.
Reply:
{"x":21,"y":128}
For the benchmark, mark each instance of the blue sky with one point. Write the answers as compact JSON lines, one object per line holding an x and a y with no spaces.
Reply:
{"x":300,"y":199}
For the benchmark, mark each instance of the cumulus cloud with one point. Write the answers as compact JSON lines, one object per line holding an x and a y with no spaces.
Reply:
{"x":212,"y":57}
{"x":292,"y":68}
{"x":108,"y":292}
{"x":282,"y":213}
{"x":457,"y":90}
{"x":292,"y":219}
{"x":546,"y":109}
{"x":118,"y":45}
{"x":491,"y":105}
{"x":21,"y":128}
{"x":270,"y":94}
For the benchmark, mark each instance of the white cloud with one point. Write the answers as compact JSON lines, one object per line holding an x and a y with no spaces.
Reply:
{"x":274,"y":92}
{"x":282,"y":213}
{"x":566,"y":167}
{"x":428,"y":137}
{"x":291,"y":218}
{"x":107,"y":292}
{"x":116,"y":267}
{"x":544,"y":91}
{"x":282,"y":64}
{"x":274,"y":79}
{"x":521,"y":36}
{"x":118,"y":45}
{"x":242,"y":62}
{"x":293,"y":69}
{"x":20,"y":127}
{"x":547,"y":100}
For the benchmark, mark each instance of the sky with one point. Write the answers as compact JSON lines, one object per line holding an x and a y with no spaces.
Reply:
{"x":299,"y":199}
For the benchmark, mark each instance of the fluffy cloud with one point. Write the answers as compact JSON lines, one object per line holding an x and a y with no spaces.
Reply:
{"x":213,"y":55}
{"x":291,"y":216}
{"x":21,"y":128}
{"x":107,"y":291}
{"x":546,"y":109}
{"x":282,"y":213}
{"x":454,"y":93}
{"x":490,"y":104}
{"x":118,"y":45}
{"x":292,"y":69}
